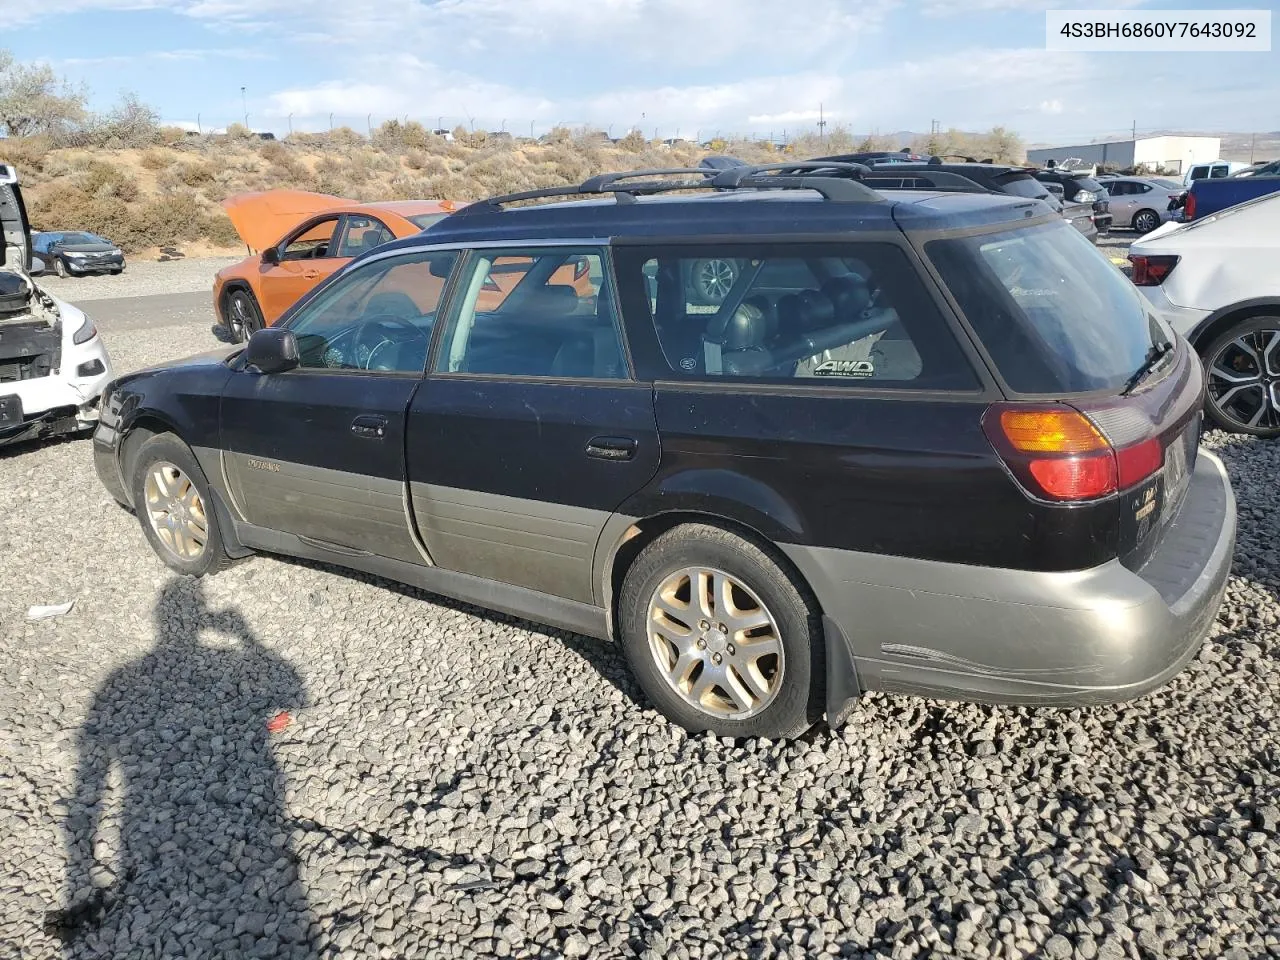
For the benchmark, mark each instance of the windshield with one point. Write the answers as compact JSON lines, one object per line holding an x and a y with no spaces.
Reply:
{"x":71,"y":238}
{"x":1167,"y":184}
{"x":424,"y":220}
{"x":1054,"y":315}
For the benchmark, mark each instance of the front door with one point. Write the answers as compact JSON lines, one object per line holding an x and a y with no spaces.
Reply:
{"x":318,"y":451}
{"x":530,"y":431}
{"x":307,"y":256}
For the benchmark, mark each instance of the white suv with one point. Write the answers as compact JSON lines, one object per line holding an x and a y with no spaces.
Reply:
{"x":53,"y":365}
{"x":1215,"y":281}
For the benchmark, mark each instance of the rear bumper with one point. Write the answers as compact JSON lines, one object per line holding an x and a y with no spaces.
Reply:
{"x":1009,"y":636}
{"x":1182,"y":319}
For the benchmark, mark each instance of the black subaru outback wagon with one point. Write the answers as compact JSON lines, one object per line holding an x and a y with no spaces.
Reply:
{"x":928,"y":442}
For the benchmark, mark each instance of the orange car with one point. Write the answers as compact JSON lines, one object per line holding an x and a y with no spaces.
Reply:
{"x":305,"y":237}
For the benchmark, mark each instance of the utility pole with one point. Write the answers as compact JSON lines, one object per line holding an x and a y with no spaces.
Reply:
{"x":530,"y":129}
{"x":1134,"y":136}
{"x":291,"y":124}
{"x":199,"y":129}
{"x":822,"y":125}
{"x":331,"y":123}
{"x":1252,"y":143}
{"x":244,"y":100}
{"x":368,"y":122}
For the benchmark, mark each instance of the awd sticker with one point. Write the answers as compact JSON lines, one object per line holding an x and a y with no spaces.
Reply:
{"x":845,"y":368}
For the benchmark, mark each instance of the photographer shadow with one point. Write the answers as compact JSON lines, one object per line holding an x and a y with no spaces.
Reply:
{"x":185,"y":851}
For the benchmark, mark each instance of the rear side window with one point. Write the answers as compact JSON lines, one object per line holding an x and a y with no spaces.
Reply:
{"x":854,"y":314}
{"x":1053,"y":314}
{"x":534,"y":313}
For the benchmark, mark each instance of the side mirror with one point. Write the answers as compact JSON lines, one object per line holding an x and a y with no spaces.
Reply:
{"x":271,"y":350}
{"x":271,"y":255}
{"x":36,"y":266}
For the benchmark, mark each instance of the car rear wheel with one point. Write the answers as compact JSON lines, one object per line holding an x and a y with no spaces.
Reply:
{"x":1243,"y":369}
{"x":172,"y":501}
{"x":720,"y":637}
{"x":243,"y":315}
{"x":1144,"y":221}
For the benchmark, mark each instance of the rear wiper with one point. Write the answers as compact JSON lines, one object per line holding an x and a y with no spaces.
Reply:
{"x":1157,"y":352}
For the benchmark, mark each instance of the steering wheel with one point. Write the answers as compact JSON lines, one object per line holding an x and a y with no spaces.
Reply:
{"x":384,"y":320}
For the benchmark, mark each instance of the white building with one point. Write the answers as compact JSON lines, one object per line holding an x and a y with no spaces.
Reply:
{"x":1169,"y":153}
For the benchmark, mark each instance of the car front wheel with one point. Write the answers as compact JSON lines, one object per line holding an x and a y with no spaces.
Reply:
{"x":720,"y":637}
{"x":60,"y":267}
{"x":243,"y":316}
{"x":1243,"y":369}
{"x":172,"y":500}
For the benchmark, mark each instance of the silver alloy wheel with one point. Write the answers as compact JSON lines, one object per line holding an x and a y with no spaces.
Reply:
{"x":176,"y":511}
{"x":1244,"y":380}
{"x":239,"y":318}
{"x":715,"y":279}
{"x":715,"y":643}
{"x":1145,"y":221}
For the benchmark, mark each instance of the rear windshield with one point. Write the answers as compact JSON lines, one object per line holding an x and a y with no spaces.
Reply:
{"x":1054,"y":315}
{"x":1024,"y":186}
{"x":424,"y":220}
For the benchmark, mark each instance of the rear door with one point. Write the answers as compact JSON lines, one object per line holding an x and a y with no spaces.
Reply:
{"x":318,"y":451}
{"x":530,"y":429}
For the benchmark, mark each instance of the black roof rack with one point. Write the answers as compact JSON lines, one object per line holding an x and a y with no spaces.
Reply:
{"x":627,"y":184}
{"x":884,"y":178}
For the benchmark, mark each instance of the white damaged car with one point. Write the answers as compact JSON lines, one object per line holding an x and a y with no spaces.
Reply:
{"x":53,"y":364}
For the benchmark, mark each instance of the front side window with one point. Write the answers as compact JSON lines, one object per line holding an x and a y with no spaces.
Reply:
{"x":534,"y":313}
{"x":361,"y":234}
{"x":853,"y":314}
{"x":377,"y":318}
{"x":311,"y":243}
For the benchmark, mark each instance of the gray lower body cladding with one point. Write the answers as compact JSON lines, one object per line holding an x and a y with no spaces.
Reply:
{"x":1012,"y":636}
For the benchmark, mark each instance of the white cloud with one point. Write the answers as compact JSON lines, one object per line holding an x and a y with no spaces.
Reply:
{"x":951,"y":8}
{"x":1051,"y":106}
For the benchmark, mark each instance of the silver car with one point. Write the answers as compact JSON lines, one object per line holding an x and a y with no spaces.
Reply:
{"x":1141,"y":203}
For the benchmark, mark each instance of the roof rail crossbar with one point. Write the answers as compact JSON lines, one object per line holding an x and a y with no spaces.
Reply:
{"x":884,"y":179}
{"x":846,"y":188}
{"x":601,"y":183}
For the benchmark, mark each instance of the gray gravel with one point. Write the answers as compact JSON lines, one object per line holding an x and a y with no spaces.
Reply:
{"x":457,"y":784}
{"x":142,"y":278}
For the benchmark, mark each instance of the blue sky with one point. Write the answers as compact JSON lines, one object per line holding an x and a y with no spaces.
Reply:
{"x":692,"y":66}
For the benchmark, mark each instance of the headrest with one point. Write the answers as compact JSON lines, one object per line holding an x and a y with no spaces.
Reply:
{"x":849,"y":295}
{"x":746,"y":329}
{"x":556,"y":298}
{"x":392,"y":304}
{"x":816,"y":310}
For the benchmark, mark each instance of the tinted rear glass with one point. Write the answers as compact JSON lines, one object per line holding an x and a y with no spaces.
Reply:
{"x":1054,"y":315}
{"x":424,"y":220}
{"x":1024,"y":187}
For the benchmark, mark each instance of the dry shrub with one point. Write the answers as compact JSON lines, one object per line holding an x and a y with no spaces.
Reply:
{"x":26,"y":153}
{"x":238,"y":131}
{"x":171,"y":135}
{"x":155,"y":159}
{"x":197,"y":174}
{"x":104,"y":179}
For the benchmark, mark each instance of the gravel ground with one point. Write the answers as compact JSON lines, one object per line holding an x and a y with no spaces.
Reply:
{"x":141,"y":278}
{"x":457,"y":784}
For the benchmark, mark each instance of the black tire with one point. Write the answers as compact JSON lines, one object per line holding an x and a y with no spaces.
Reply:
{"x":166,"y":448}
{"x":796,"y":705}
{"x":1233,"y":413}
{"x":242,"y":315}
{"x":60,"y":267}
{"x":1144,"y":221}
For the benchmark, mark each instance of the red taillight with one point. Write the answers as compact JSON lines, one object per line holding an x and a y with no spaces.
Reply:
{"x":1059,"y":454}
{"x":1189,"y":209}
{"x":1151,"y":271}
